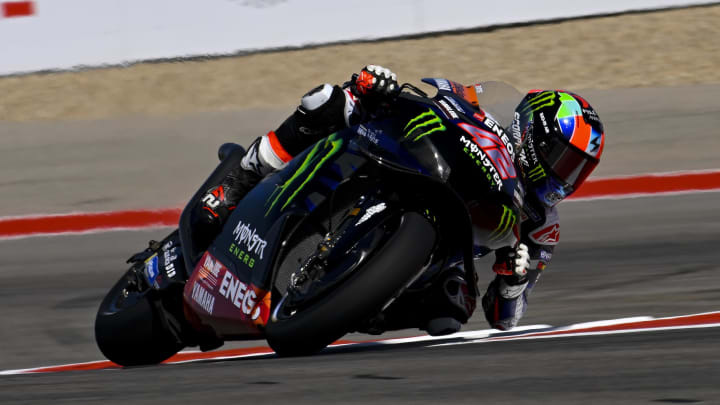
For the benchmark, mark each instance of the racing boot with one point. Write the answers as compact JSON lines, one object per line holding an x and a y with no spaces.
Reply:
{"x":452,"y":304}
{"x":213,"y":210}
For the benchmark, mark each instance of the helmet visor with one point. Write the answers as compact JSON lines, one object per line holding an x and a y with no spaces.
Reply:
{"x":567,"y":163}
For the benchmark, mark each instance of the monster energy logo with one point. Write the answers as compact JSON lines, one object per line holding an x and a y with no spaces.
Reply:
{"x":542,"y":100}
{"x":537,"y":173}
{"x":427,"y":122}
{"x":507,"y":221}
{"x":320,"y":153}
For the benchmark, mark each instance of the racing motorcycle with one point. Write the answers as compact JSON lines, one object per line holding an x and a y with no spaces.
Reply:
{"x":352,"y":235}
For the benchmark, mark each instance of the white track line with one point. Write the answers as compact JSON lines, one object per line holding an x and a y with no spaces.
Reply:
{"x":529,"y":332}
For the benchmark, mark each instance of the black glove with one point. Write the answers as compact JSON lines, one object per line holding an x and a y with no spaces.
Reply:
{"x":374,"y":80}
{"x":513,"y":262}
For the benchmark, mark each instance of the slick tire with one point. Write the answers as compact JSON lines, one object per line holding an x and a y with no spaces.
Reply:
{"x":363,"y":294}
{"x":129,"y":332}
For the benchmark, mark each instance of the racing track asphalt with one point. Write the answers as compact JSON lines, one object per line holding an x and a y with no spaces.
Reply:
{"x":652,"y":256}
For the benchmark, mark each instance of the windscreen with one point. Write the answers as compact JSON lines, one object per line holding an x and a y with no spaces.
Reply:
{"x":499,"y":99}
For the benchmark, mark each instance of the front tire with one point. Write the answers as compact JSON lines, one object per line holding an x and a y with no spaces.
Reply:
{"x":363,"y":294}
{"x":128,"y":329}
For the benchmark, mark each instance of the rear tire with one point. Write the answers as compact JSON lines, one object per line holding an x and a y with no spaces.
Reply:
{"x":128,"y":330}
{"x":363,"y":294}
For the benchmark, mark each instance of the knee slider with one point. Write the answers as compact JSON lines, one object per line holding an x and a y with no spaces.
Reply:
{"x":321,"y":112}
{"x":322,"y":109}
{"x":317,"y":97}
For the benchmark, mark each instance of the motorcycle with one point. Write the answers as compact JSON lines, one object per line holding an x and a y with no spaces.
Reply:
{"x":352,"y":235}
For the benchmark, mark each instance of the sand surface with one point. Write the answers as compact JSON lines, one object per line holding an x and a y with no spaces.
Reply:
{"x":668,"y":48}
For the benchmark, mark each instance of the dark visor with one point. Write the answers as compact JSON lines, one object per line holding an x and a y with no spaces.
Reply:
{"x":567,"y":162}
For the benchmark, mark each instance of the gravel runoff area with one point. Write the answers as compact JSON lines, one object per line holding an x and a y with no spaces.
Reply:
{"x":665,"y":48}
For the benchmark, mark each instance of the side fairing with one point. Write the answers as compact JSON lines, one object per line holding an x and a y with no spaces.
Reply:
{"x":481,"y":164}
{"x":252,"y":235}
{"x":229,"y":290}
{"x":221,"y":301}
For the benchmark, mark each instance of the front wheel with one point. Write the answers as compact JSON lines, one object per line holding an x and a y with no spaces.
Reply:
{"x":128,"y":328}
{"x":363,"y":294}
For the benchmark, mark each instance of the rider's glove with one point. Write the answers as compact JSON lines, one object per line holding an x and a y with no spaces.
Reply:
{"x":513,"y":262}
{"x":374,"y":80}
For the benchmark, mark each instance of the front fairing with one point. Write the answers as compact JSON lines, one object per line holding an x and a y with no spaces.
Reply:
{"x":452,"y":141}
{"x":383,"y":142}
{"x":457,"y":143}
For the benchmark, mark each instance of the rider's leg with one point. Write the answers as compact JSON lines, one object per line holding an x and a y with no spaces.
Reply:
{"x":322,"y":110}
{"x":440,"y":309}
{"x":208,"y":216}
{"x":450,"y":304}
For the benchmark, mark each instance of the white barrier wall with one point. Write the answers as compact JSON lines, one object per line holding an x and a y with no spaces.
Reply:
{"x":62,"y":34}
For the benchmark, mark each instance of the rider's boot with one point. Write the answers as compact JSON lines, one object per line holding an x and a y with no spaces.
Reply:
{"x":452,"y":304}
{"x":210,"y":214}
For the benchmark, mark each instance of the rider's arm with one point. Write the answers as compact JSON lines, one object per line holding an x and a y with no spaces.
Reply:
{"x":518,"y":268}
{"x":540,"y":235}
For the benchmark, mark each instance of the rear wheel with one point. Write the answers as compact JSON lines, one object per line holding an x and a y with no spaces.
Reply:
{"x":374,"y":284}
{"x":128,"y":328}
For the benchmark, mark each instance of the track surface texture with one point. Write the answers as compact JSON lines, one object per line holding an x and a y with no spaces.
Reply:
{"x":654,"y":256}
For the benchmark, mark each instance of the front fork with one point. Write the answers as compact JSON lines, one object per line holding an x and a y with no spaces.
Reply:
{"x":345,"y":248}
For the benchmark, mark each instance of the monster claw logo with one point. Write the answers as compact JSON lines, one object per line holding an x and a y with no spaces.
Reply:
{"x":320,"y":153}
{"x":507,"y":221}
{"x":541,"y":100}
{"x":425,"y":123}
{"x":536,"y":173}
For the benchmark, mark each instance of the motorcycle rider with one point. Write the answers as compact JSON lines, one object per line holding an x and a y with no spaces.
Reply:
{"x":560,"y":145}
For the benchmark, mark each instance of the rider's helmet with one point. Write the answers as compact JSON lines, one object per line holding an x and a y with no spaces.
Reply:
{"x":561,"y":140}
